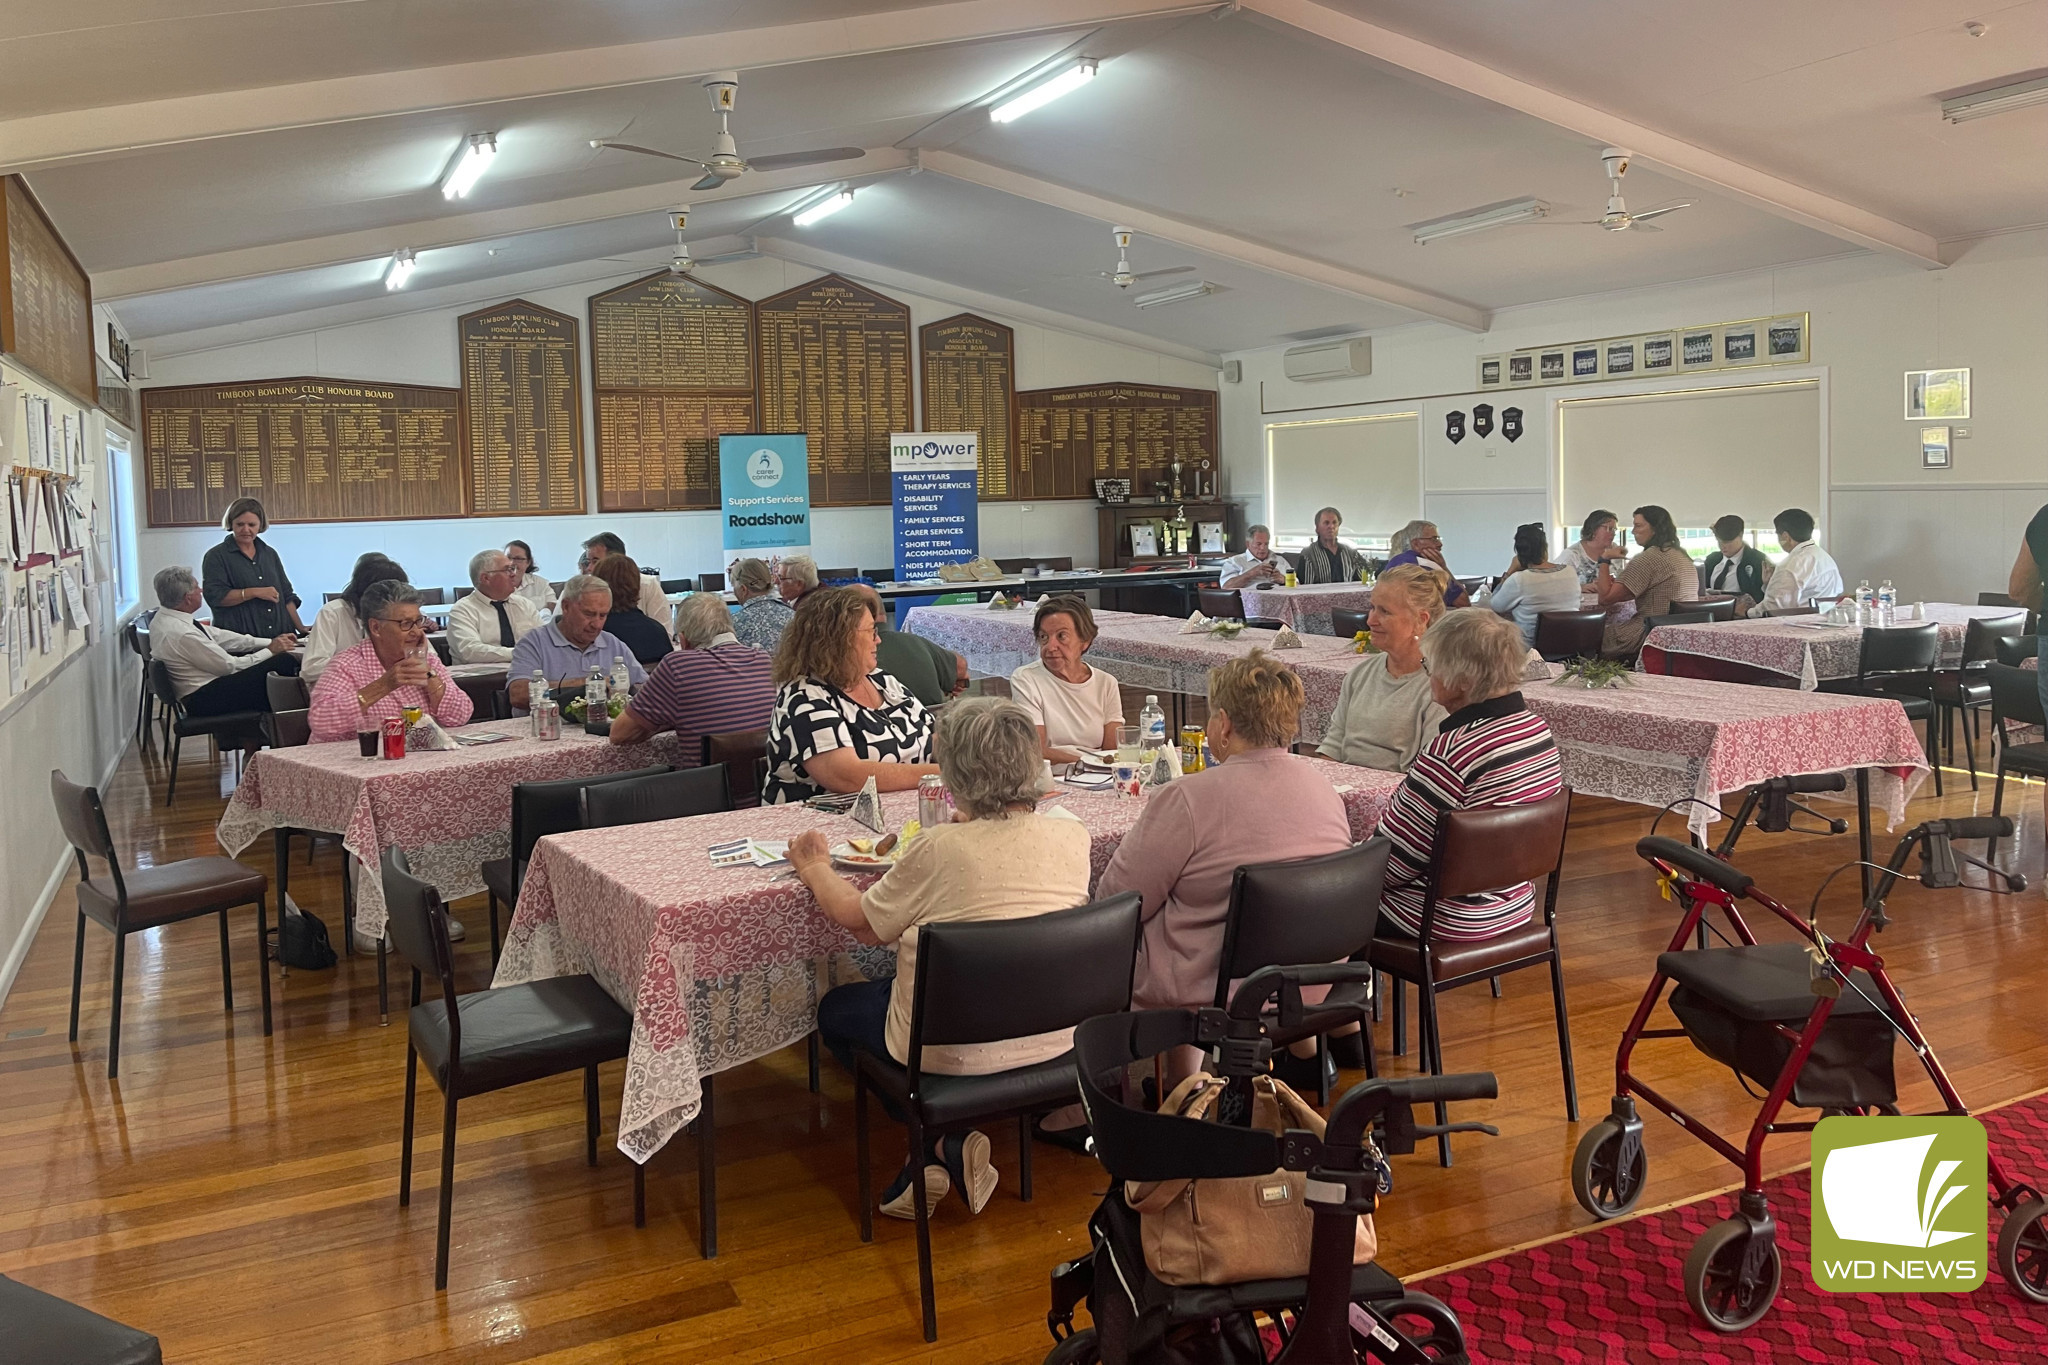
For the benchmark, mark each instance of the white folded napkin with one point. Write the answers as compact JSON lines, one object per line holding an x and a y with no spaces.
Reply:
{"x":867,"y":808}
{"x":1197,"y":624}
{"x":1285,"y":638}
{"x":1060,"y":813}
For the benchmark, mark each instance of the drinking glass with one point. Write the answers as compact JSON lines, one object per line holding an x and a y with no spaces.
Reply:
{"x":1127,"y":744}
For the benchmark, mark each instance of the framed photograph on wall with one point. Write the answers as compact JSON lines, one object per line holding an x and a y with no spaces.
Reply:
{"x":1522,"y":368}
{"x":1937,"y":393}
{"x":1550,"y":366}
{"x":1209,"y":537}
{"x":1489,"y":371}
{"x":1934,"y":447}
{"x":1618,"y":359}
{"x":1699,"y":348}
{"x":1785,"y":339}
{"x":1585,"y":362}
{"x":1660,"y":354}
{"x":1739,"y":344}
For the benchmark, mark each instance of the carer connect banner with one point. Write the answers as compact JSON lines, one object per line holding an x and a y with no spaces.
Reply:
{"x":766,"y":484}
{"x":937,"y":508}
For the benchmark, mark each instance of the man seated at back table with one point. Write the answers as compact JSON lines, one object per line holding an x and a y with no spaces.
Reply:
{"x":712,"y":685}
{"x":485,"y":625}
{"x":215,"y":672}
{"x":1805,"y":574}
{"x":566,"y":649}
{"x":1259,"y":564}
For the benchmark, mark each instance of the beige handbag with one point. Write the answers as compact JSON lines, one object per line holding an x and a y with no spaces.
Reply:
{"x":1233,"y":1231}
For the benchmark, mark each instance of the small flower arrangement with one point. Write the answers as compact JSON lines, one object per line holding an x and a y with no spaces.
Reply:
{"x":1361,"y":643}
{"x":576,"y":708}
{"x":1226,"y":627}
{"x":1594,"y":673}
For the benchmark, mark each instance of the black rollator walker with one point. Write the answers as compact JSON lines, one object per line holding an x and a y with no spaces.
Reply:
{"x":1814,"y":1021}
{"x":1339,"y":1314}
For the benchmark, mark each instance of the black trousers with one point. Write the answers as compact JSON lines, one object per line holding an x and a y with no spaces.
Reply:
{"x":242,"y":691}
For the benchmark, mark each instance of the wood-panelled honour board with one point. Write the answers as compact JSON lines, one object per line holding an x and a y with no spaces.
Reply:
{"x":835,"y":366}
{"x":970,"y":384}
{"x":1068,"y":438}
{"x":672,"y":369}
{"x":309,"y":449}
{"x":45,"y":297}
{"x":522,"y":410}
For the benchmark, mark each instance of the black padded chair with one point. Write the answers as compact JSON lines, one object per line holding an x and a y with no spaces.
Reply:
{"x":287,"y":692}
{"x":439,"y":640}
{"x":2017,"y":652}
{"x":710,"y":582}
{"x":669,"y":585}
{"x":1310,"y":910}
{"x":1346,"y":624}
{"x":289,"y":730}
{"x":744,"y":756}
{"x":1483,"y":849}
{"x":43,"y":1328}
{"x":1899,"y":662}
{"x":671,"y":795}
{"x":982,"y":983}
{"x":1962,"y":692}
{"x":432,"y":597}
{"x":1674,"y":618}
{"x":1714,"y":608}
{"x":491,"y":1039}
{"x":538,"y":810}
{"x":234,"y":730}
{"x":1570,"y":634}
{"x":2015,"y":700}
{"x":148,"y":898}
{"x":1472,"y":586}
{"x":1999,"y":599}
{"x":1220,"y":604}
{"x":136,"y":633}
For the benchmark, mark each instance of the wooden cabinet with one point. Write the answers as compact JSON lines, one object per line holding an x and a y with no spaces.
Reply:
{"x":1114,"y":525}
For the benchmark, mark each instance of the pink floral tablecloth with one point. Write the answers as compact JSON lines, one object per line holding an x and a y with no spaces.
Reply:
{"x":1307,"y":608}
{"x":1805,"y":647}
{"x":451,"y":812}
{"x":723,"y":965}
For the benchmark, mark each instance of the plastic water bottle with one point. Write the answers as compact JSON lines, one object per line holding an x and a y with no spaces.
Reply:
{"x":596,"y":702}
{"x":1151,"y":724}
{"x":1866,"y":603}
{"x":621,"y":680}
{"x":1887,"y":602}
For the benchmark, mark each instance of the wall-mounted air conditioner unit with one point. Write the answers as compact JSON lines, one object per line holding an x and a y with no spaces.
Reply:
{"x":1330,"y":360}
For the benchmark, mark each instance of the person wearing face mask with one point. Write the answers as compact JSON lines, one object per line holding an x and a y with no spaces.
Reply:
{"x":839,"y":719}
{"x":1073,"y":706}
{"x":245,"y":581}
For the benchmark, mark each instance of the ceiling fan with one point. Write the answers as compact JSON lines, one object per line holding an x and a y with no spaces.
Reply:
{"x":725,"y":163}
{"x":1123,"y":277}
{"x":1618,"y":218}
{"x":681,"y":262}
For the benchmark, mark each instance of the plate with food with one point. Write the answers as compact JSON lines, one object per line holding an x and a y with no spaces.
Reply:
{"x":865,"y":855}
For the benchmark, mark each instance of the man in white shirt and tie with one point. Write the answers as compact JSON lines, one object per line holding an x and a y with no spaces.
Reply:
{"x":1805,"y":574}
{"x":213,"y":671}
{"x":483,"y":626}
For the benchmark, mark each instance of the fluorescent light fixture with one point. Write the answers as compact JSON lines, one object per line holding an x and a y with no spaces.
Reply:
{"x":2000,"y":99}
{"x":1179,"y":293}
{"x":400,"y":269}
{"x":1045,"y":92}
{"x":470,"y":164}
{"x":824,"y":208}
{"x":1480,"y":220}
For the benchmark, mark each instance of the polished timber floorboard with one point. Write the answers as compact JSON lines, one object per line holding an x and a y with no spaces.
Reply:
{"x":238,"y":1196}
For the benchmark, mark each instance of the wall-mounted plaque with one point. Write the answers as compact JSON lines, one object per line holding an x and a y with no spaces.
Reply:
{"x":45,"y":297}
{"x":970,"y":384}
{"x":672,"y":366}
{"x":522,"y":410}
{"x":1068,"y":438}
{"x":835,"y":366}
{"x":309,"y":449}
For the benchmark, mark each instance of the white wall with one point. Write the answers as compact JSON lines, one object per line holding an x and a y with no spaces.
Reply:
{"x":1940,"y":534}
{"x":420,"y":348}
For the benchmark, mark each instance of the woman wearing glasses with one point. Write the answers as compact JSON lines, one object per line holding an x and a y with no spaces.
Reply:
{"x":371,"y":682}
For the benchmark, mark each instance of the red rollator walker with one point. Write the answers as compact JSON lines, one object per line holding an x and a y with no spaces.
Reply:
{"x":1814,"y":1021}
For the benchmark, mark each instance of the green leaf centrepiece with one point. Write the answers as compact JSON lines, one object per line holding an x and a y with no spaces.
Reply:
{"x":1591,"y":673}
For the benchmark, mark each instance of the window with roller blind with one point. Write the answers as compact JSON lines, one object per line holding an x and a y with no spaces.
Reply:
{"x":1751,"y":449}
{"x":1368,"y":468}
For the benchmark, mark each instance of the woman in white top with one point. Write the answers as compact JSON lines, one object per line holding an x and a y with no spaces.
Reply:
{"x":533,"y":584}
{"x":1385,"y":713}
{"x":1595,"y":543}
{"x":1534,"y":585}
{"x":336,"y":626}
{"x":1073,"y":705}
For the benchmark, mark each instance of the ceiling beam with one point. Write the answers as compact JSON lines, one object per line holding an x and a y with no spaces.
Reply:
{"x":72,"y":135}
{"x":461,"y":228}
{"x":1307,"y":270}
{"x":801,"y":254}
{"x":1696,"y":165}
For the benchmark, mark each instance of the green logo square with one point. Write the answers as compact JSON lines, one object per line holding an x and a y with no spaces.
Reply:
{"x":1899,"y":1204}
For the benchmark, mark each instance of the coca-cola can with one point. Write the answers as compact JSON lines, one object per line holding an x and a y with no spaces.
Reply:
{"x":394,"y":737}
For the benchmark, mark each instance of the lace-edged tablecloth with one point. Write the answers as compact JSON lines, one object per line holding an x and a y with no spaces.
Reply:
{"x":1307,"y":607}
{"x":1805,"y":648}
{"x":723,"y":965}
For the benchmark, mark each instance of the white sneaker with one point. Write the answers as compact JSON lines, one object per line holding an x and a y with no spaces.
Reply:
{"x":937,"y":1184}
{"x":978,"y":1177}
{"x":366,"y":944}
{"x":456,"y":933}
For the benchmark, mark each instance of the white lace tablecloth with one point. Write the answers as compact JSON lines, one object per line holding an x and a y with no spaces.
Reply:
{"x":451,"y":812}
{"x":1144,"y":652}
{"x":723,"y":965}
{"x":1307,"y":608}
{"x":1805,"y":647}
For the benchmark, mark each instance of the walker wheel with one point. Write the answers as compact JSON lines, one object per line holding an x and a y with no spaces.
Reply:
{"x":2023,"y":1250}
{"x":1429,"y":1325}
{"x":1605,"y":1184}
{"x":1079,"y":1349}
{"x":1715,"y":1285}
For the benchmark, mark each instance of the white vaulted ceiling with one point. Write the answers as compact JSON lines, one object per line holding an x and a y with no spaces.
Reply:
{"x":217,"y":164}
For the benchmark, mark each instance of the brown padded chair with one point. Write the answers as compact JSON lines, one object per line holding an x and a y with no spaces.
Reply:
{"x":1346,"y":624}
{"x":744,"y":754}
{"x":1714,"y":608}
{"x":491,"y":1039}
{"x":148,"y":897}
{"x":1220,"y":603}
{"x":1484,"y":849}
{"x":1570,"y":634}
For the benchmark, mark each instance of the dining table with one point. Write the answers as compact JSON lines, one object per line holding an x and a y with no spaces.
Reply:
{"x":1308,"y":606}
{"x":1807,"y":650}
{"x":723,"y":965}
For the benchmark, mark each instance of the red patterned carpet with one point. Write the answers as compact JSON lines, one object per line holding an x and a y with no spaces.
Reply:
{"x":1613,"y":1295}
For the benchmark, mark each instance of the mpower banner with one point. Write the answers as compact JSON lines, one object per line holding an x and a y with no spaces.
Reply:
{"x":938,"y":512}
{"x":766,"y":483}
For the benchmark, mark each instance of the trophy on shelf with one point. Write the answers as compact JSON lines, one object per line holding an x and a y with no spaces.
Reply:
{"x":1177,"y":530}
{"x":1178,"y":494}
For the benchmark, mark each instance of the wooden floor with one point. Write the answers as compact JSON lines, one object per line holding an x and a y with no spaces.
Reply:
{"x":238,"y":1196}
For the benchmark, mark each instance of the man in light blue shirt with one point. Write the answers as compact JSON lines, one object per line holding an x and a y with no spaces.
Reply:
{"x":568,"y":648}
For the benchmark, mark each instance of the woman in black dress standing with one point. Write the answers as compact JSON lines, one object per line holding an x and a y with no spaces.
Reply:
{"x":245,"y":581}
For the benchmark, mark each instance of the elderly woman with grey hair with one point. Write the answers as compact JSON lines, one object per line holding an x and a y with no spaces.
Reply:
{"x":1419,"y":542}
{"x":485,"y":625}
{"x":375,"y":680}
{"x":999,"y":859}
{"x":763,"y":614}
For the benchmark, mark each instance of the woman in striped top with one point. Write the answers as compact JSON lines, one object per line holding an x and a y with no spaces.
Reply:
{"x":1489,"y":751}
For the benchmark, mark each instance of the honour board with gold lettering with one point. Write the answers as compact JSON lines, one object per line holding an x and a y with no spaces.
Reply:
{"x":969,"y":367}
{"x":522,"y":410}
{"x":835,"y":366}
{"x":309,"y":449}
{"x":1068,"y":438}
{"x":672,"y":369}
{"x":45,"y":297}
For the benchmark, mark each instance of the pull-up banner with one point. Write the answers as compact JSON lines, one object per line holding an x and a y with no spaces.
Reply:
{"x":937,"y":510}
{"x":766,"y":486}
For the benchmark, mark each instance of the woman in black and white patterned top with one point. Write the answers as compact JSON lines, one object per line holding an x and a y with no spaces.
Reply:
{"x":839,"y":719}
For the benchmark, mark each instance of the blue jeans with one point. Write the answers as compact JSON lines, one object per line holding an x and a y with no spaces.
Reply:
{"x":856,"y":1016}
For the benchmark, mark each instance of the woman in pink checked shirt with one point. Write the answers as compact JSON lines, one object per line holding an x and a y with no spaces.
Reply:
{"x":371,"y":682}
